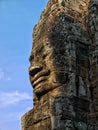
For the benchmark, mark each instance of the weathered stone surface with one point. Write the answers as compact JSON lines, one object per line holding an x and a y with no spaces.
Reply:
{"x":64,"y":67}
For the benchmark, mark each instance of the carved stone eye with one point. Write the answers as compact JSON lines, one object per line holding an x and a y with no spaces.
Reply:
{"x":31,"y":57}
{"x":44,"y":56}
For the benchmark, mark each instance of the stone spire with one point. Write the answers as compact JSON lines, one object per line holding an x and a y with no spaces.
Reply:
{"x":61,"y":70}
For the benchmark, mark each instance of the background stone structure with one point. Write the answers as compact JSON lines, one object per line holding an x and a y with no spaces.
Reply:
{"x":64,"y":67}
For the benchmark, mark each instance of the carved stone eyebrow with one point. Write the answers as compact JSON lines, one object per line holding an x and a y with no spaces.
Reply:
{"x":31,"y":57}
{"x":38,"y":49}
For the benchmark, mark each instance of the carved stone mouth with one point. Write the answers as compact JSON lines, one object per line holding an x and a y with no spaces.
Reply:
{"x":40,"y":77}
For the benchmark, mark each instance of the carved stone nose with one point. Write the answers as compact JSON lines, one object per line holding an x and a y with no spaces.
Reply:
{"x":34,"y":70}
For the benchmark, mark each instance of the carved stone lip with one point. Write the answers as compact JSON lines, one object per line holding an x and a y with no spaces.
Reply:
{"x":39,"y":81}
{"x":40,"y":77}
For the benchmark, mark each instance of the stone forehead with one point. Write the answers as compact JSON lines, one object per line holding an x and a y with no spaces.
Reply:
{"x":73,"y":3}
{"x":79,"y":6}
{"x":78,"y":11}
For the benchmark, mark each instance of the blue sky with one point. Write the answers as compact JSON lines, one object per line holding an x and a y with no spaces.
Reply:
{"x":17,"y":19}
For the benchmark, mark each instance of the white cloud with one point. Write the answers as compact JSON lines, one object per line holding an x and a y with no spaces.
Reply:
{"x":1,"y":74}
{"x":11,"y":98}
{"x":8,"y":78}
{"x":17,"y":115}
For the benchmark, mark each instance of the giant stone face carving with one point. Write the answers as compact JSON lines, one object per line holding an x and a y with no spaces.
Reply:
{"x":50,"y":57}
{"x":45,"y":75}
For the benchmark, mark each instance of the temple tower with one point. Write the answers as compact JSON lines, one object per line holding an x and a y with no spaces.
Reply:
{"x":62,"y":63}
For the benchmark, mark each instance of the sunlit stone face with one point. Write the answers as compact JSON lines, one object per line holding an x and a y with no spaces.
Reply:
{"x":50,"y":56}
{"x":46,"y":71}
